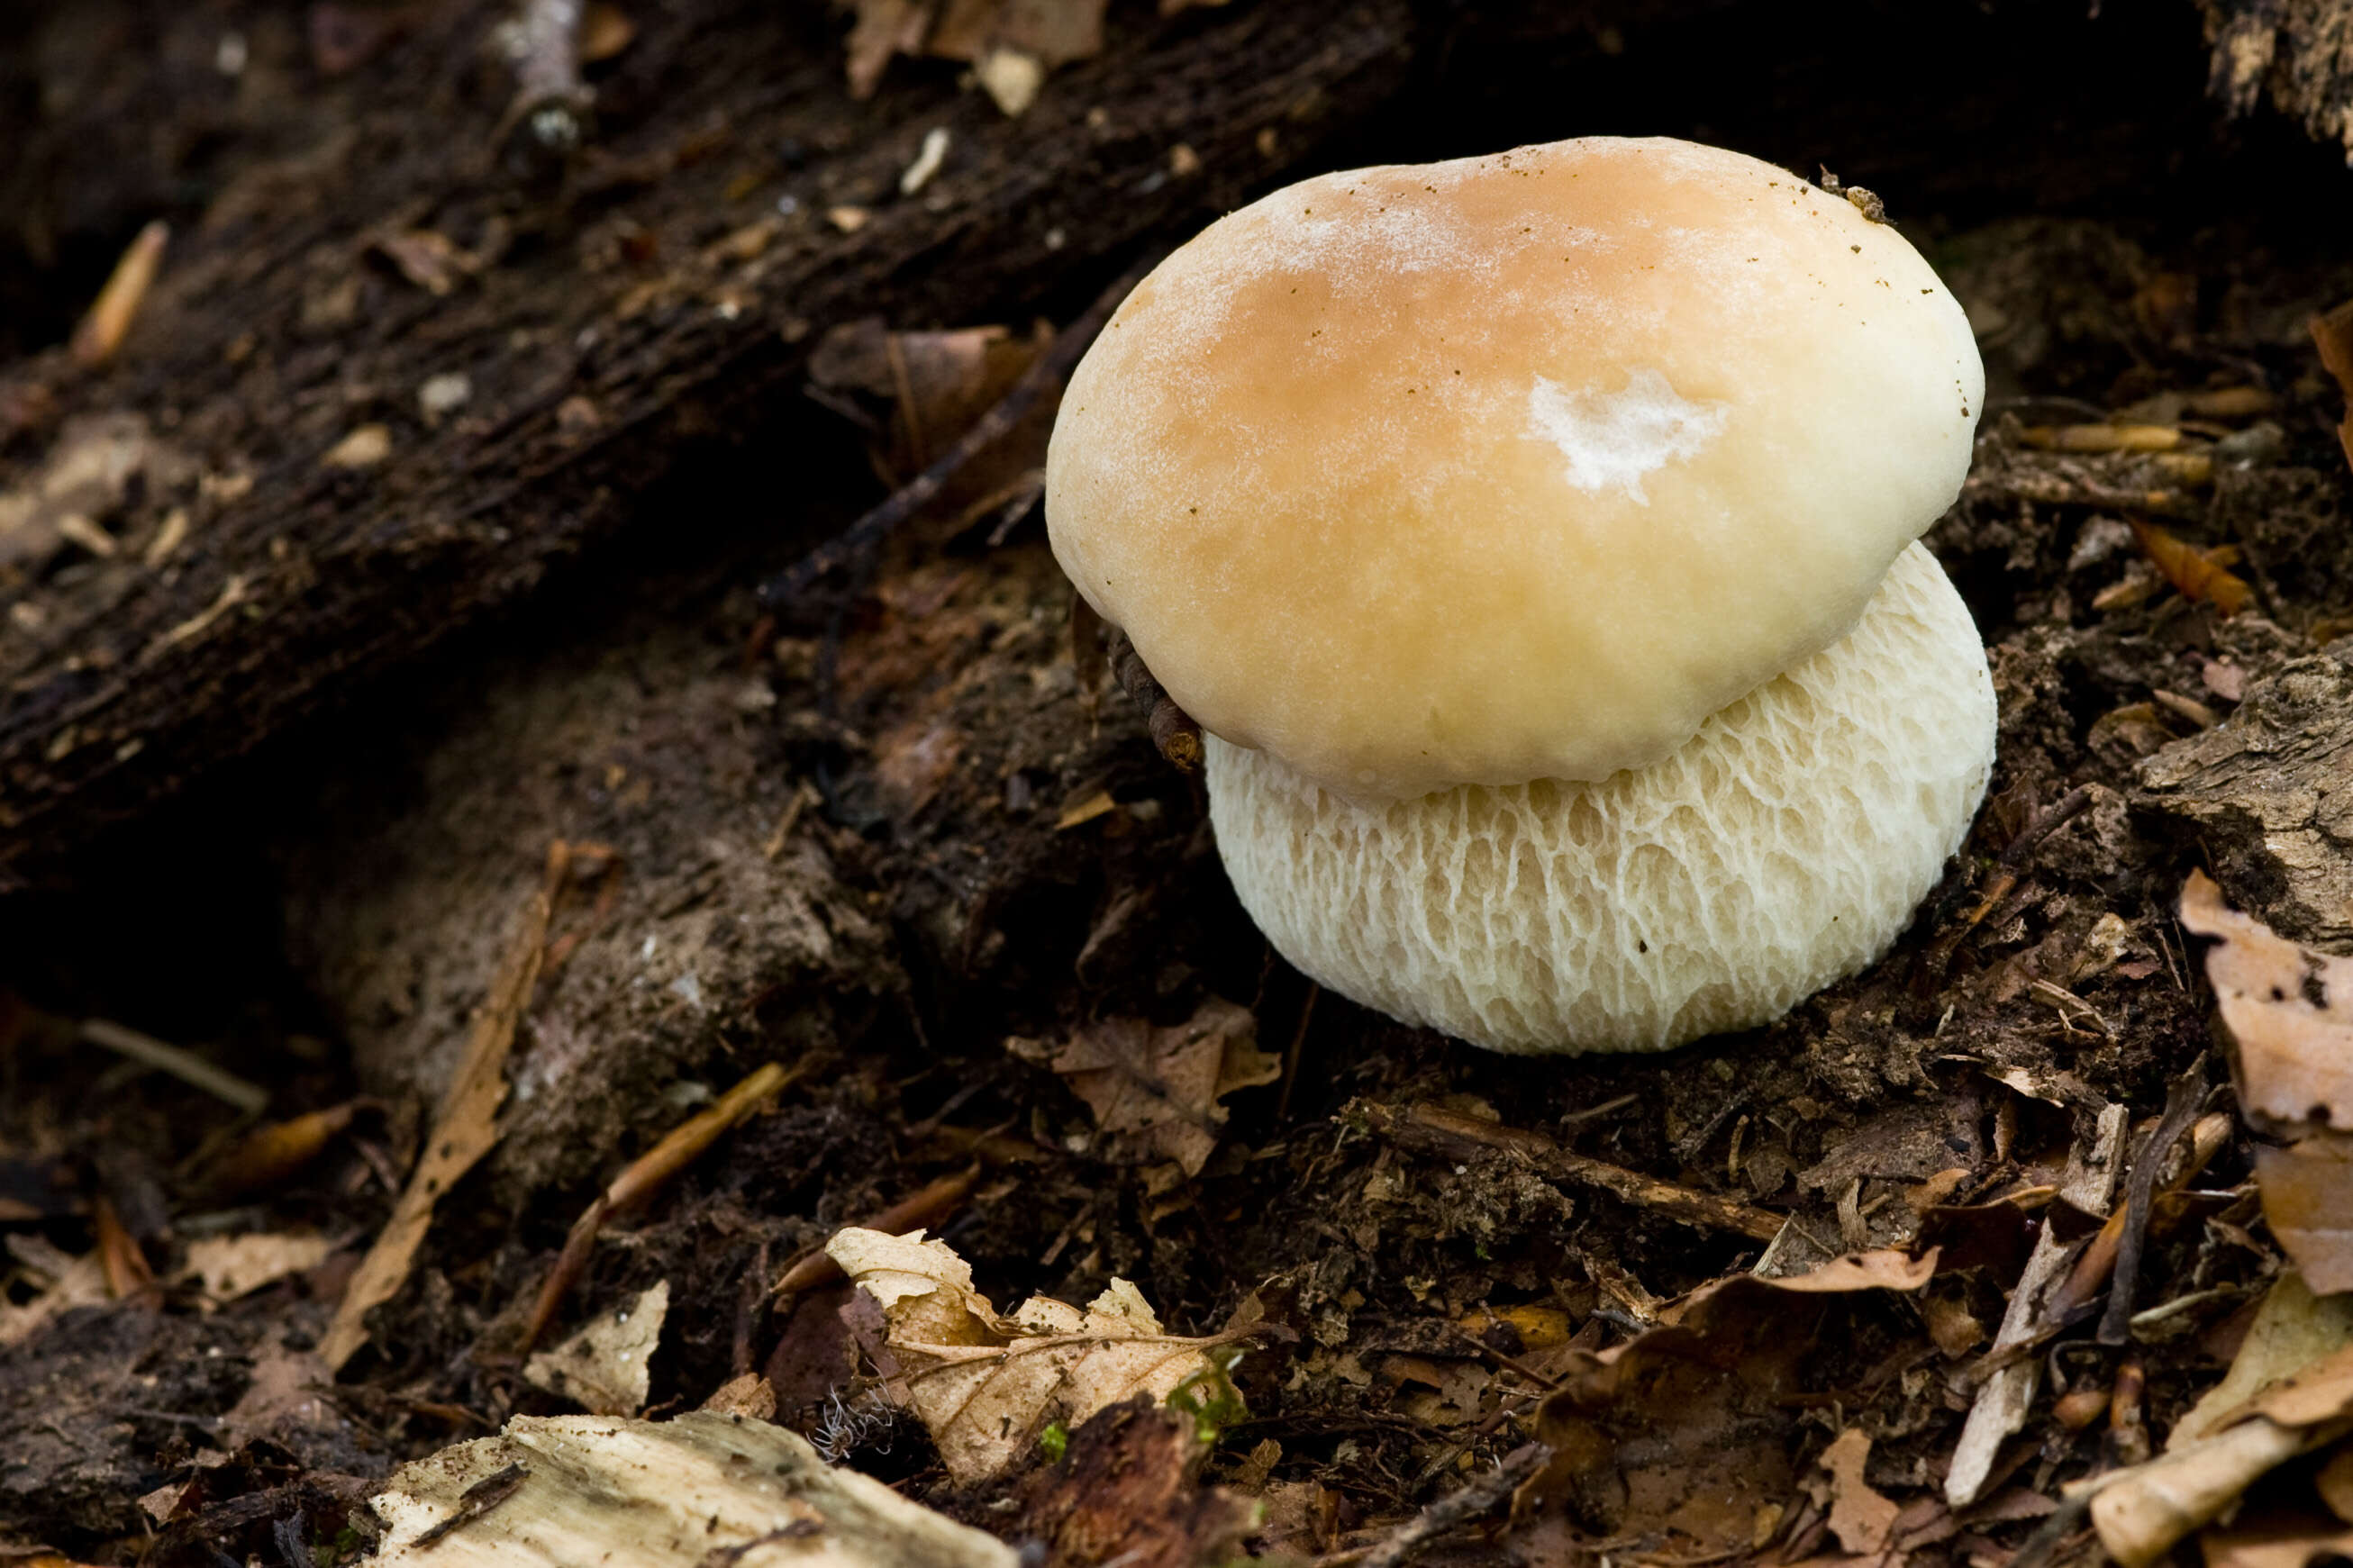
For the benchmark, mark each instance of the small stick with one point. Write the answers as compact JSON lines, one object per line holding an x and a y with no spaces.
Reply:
{"x":1473,"y":1501}
{"x":2017,"y":852}
{"x":644,"y":1176}
{"x":183,"y":1065}
{"x":922,"y":1208}
{"x":1174,"y":733}
{"x":856,"y":543}
{"x":2181,"y":1103}
{"x":1428,"y":1130}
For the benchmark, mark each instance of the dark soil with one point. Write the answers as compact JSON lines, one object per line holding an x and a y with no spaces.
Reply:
{"x":880,"y":831}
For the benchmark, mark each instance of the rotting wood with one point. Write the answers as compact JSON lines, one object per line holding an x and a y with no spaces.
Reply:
{"x":104,"y":715}
{"x":1427,"y":1129}
{"x":2263,"y":797}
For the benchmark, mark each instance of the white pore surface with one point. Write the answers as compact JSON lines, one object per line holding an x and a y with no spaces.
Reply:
{"x":1784,"y":845}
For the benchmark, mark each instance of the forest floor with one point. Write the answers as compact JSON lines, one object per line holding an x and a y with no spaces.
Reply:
{"x":897,"y":910}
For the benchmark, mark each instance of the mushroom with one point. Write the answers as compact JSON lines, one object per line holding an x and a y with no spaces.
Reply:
{"x":1534,"y":538}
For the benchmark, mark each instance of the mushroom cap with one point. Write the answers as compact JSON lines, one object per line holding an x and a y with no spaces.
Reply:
{"x":1782,"y":847}
{"x":1508,"y":468}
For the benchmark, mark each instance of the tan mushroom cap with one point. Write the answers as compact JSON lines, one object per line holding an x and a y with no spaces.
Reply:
{"x":1509,"y":468}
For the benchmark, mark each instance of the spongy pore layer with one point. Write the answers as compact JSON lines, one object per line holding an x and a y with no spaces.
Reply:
{"x":1784,"y":845}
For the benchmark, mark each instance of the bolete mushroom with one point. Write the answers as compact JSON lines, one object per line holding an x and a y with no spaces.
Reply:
{"x":1534,"y":538}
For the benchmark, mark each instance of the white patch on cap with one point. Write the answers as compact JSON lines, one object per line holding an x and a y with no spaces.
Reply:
{"x":1616,"y":438}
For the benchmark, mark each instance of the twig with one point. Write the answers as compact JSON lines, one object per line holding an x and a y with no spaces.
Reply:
{"x":2069,"y":489}
{"x":644,"y":1176}
{"x":855,"y":545}
{"x":2053,"y":1531}
{"x":183,"y":1065}
{"x":1428,"y":1130}
{"x":2067,"y":1302}
{"x":2019,"y":850}
{"x":924,"y":1209}
{"x":1478,"y":1498}
{"x":1174,"y":733}
{"x":2006,"y":869}
{"x":2181,"y":1102}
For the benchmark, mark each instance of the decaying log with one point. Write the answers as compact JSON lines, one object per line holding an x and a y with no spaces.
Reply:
{"x":2299,"y":52}
{"x":2268,"y":797}
{"x":334,"y":517}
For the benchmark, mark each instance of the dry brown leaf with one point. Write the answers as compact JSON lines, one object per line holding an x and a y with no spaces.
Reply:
{"x":288,"y":1388}
{"x":1154,"y":1091}
{"x":2293,"y":1329}
{"x":985,"y":1386}
{"x":2332,"y":334}
{"x":1688,"y":1428}
{"x":936,"y":385}
{"x":604,"y":1367}
{"x":2308,"y":1200}
{"x":464,"y":1128}
{"x":233,"y":1266}
{"x":2289,"y":1016}
{"x":2195,"y":573}
{"x":2334,"y":1482}
{"x":2141,"y":1512}
{"x":269,"y":1155}
{"x":1861,"y":1517}
{"x":704,"y":1489}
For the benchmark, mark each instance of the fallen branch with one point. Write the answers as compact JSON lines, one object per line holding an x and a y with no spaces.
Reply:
{"x":1425,"y":1129}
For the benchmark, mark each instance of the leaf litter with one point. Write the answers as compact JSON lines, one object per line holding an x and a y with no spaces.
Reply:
{"x":1459,"y":1276}
{"x":990,"y":1388}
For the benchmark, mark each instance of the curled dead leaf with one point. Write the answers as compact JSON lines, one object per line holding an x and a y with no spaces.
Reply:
{"x":2195,"y":573}
{"x":986,"y":1386}
{"x":2289,"y":1016}
{"x":1687,"y":1429}
{"x":1154,"y":1091}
